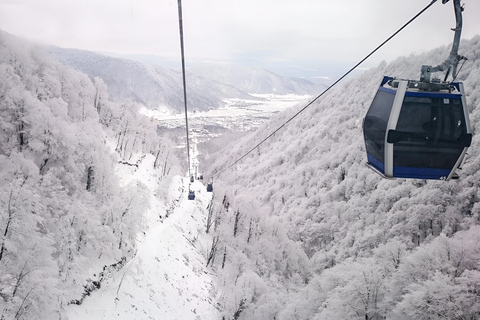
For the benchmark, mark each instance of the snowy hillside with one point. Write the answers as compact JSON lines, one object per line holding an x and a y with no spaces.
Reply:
{"x":84,"y":188}
{"x":155,"y":86}
{"x":309,"y":232}
{"x":256,"y":80}
{"x":95,"y":224}
{"x":151,"y":86}
{"x":167,"y":278}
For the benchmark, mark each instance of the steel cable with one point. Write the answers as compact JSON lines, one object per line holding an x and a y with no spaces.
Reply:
{"x":326,"y":90}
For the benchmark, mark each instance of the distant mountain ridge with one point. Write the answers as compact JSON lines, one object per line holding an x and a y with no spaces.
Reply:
{"x":151,"y":86}
{"x":154,"y":85}
{"x":257,"y":80}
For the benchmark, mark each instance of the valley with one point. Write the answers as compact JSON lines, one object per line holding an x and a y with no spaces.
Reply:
{"x":236,"y":115}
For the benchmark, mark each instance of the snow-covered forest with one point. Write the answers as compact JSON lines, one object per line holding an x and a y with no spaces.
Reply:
{"x":66,"y":220}
{"x":299,"y":229}
{"x":307,"y":231}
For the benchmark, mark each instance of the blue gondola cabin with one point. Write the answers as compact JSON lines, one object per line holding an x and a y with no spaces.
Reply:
{"x":413,"y":133}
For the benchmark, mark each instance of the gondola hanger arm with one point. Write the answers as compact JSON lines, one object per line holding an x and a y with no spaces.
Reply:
{"x":451,"y":63}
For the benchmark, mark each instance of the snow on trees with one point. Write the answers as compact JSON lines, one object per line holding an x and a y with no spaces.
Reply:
{"x":374,"y":248}
{"x":63,"y":214}
{"x":300,"y":228}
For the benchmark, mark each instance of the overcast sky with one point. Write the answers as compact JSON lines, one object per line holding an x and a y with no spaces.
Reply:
{"x":304,"y":34}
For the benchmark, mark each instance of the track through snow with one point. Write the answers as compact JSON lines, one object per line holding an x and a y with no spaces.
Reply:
{"x":167,"y":279}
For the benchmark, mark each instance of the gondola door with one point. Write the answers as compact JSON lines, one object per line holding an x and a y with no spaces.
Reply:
{"x":391,"y":125}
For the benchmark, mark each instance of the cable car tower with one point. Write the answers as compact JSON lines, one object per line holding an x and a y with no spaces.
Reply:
{"x":420,"y":128}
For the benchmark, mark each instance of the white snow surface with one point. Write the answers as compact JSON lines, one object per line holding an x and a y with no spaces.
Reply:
{"x":167,"y":278}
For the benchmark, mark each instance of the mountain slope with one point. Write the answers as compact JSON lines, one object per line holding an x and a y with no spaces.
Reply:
{"x":167,"y":278}
{"x":314,"y":234}
{"x":67,"y":221}
{"x":155,"y":86}
{"x":256,"y":80}
{"x":152,"y":86}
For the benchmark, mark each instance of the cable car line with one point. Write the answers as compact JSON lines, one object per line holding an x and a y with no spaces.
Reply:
{"x":331,"y":86}
{"x":191,"y":194}
{"x":420,"y":129}
{"x":180,"y":25}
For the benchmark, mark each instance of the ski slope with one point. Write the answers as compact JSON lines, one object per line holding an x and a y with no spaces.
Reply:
{"x":167,"y":278}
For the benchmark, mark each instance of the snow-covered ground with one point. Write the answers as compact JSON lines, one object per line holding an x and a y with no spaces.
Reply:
{"x":167,"y":278}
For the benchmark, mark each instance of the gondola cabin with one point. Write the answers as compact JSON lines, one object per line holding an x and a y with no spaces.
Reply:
{"x":210,"y":187}
{"x":191,"y":195}
{"x":410,"y":132}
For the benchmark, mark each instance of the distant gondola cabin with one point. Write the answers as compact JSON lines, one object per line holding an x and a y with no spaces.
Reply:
{"x":210,"y":187}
